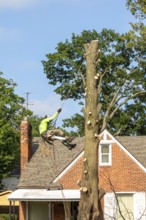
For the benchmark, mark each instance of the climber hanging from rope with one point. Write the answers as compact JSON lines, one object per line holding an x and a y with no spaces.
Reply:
{"x":54,"y":134}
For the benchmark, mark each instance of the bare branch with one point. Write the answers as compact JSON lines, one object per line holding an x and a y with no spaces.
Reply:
{"x":111,"y":104}
{"x":99,"y":89}
{"x":83,"y":78}
{"x":124,"y":102}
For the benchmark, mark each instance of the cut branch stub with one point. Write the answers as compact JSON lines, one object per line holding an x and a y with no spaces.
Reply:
{"x":79,"y":182}
{"x":96,"y":122}
{"x":88,"y":122}
{"x":81,"y":188}
{"x":97,"y":61}
{"x":84,"y":189}
{"x":85,"y":171}
{"x":90,"y":113}
{"x":96,"y":136}
{"x":95,"y":77}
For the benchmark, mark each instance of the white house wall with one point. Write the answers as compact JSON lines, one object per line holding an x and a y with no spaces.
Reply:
{"x":109,"y":206}
{"x":139,"y":206}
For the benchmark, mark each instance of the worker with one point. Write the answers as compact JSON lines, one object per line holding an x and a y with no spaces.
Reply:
{"x":54,"y":134}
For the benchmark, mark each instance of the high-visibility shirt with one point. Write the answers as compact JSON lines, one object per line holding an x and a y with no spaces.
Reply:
{"x":44,"y":123}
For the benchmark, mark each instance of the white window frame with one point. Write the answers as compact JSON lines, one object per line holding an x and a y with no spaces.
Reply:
{"x":101,"y":163}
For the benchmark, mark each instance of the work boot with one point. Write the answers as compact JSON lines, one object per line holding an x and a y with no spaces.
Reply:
{"x":71,"y":146}
{"x":68,"y":145}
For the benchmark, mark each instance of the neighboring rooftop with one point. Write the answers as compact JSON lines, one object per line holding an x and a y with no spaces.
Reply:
{"x":43,"y":168}
{"x":47,"y":163}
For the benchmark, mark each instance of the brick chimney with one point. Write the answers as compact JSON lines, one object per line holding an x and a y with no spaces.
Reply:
{"x":25,"y":143}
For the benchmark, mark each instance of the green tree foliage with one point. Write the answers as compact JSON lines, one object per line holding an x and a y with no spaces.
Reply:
{"x":35,"y":121}
{"x":11,"y":113}
{"x":121,"y":77}
{"x":76,"y":121}
{"x":137,"y":8}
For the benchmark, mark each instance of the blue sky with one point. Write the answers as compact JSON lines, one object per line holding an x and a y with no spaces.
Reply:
{"x":29,"y":29}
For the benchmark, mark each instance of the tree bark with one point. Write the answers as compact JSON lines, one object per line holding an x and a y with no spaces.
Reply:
{"x":88,"y":206}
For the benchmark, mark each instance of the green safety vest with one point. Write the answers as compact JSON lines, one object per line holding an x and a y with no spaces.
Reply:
{"x":44,"y":123}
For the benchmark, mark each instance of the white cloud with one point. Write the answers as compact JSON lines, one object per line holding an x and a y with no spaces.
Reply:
{"x":51,"y":105}
{"x":20,"y":4}
{"x":16,"y":4}
{"x":48,"y":107}
{"x":45,"y":107}
{"x":9,"y":34}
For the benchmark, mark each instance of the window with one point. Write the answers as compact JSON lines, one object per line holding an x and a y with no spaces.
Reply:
{"x":38,"y":210}
{"x":105,"y":154}
{"x":119,"y":206}
{"x":124,"y":206}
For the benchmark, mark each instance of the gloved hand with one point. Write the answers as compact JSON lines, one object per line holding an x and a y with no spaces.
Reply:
{"x":59,"y":110}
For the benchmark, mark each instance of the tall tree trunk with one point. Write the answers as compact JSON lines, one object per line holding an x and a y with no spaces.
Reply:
{"x":88,"y":206}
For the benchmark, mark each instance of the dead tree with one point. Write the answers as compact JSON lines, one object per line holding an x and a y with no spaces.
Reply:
{"x":88,"y":206}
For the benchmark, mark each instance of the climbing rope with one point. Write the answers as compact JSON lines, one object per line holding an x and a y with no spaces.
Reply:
{"x":84,"y":83}
{"x":55,"y":121}
{"x":47,"y":161}
{"x":66,"y":208}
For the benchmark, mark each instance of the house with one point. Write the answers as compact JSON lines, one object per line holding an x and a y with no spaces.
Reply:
{"x":10,"y":182}
{"x":48,"y":188}
{"x":4,"y":203}
{"x":9,"y":185}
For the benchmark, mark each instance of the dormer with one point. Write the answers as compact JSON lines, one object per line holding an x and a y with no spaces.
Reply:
{"x":105,"y":149}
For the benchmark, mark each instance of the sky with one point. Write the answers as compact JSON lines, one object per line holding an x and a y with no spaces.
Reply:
{"x":30,"y":29}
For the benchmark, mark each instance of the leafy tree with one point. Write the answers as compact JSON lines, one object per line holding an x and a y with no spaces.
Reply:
{"x":121,"y":76}
{"x":76,"y":121}
{"x":11,"y":113}
{"x":137,"y":8}
{"x":35,"y":121}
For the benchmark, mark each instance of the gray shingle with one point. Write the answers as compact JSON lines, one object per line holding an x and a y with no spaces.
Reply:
{"x":136,"y":145}
{"x":43,"y":168}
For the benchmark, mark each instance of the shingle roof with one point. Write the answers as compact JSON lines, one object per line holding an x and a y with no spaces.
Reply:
{"x":43,"y":168}
{"x":136,"y":145}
